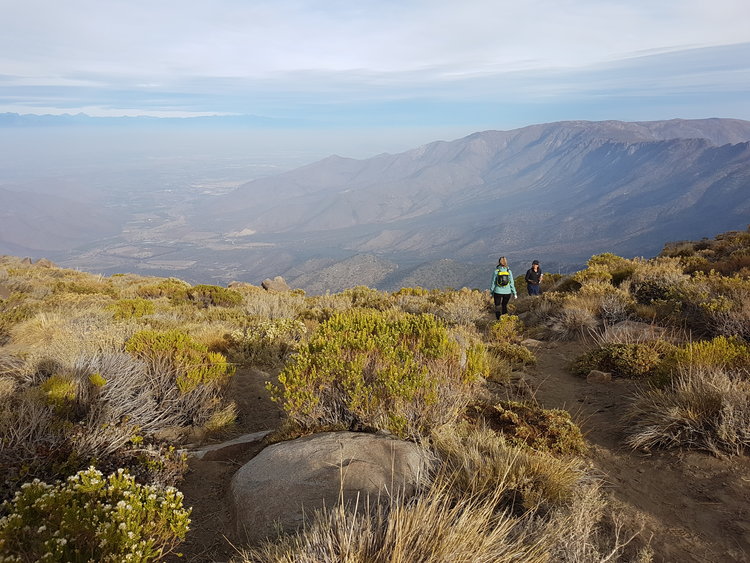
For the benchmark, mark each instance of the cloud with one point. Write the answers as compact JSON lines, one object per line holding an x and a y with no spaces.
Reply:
{"x":303,"y":59}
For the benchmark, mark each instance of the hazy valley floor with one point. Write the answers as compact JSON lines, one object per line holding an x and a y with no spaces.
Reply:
{"x":693,"y":506}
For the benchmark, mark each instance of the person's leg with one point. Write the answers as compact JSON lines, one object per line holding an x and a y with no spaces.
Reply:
{"x":497,"y":298}
{"x":534,"y":289}
{"x":506,"y":298}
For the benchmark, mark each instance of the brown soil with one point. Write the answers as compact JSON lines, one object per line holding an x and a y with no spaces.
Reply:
{"x":207,"y":482}
{"x":694,"y":507}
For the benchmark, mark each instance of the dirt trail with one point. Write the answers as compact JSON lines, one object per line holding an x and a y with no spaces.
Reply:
{"x":695,"y":506}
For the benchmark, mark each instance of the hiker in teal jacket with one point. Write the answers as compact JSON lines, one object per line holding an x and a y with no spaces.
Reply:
{"x":502,"y":287}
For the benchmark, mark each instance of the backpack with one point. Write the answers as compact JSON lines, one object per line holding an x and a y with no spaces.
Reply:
{"x":503,"y":278}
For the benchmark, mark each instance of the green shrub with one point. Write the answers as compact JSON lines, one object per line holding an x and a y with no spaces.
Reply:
{"x":550,"y":430}
{"x":392,"y":370}
{"x":721,"y":352}
{"x":513,"y":353}
{"x":124,"y":309}
{"x":60,"y":391}
{"x":368,"y":298}
{"x":85,"y":287}
{"x":265,"y":341}
{"x":91,"y":518}
{"x":508,"y":329}
{"x":172,"y":288}
{"x":195,"y":364}
{"x":637,"y":360}
{"x":213,"y":295}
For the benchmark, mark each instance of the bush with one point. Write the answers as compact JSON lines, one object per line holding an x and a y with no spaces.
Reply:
{"x":91,"y":518}
{"x":716,"y":305}
{"x":635,"y":360}
{"x":656,"y":279}
{"x":508,"y":329}
{"x":550,"y":430}
{"x":368,"y":298}
{"x":721,"y":352}
{"x":265,"y":341}
{"x":195,"y":364}
{"x":463,"y":307}
{"x":172,"y":288}
{"x":515,"y":354}
{"x":125,"y":309}
{"x":702,"y":408}
{"x":213,"y":295}
{"x":394,"y":371}
{"x":481,"y":461}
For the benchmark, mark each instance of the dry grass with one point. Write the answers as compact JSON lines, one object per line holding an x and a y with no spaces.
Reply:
{"x":706,"y":408}
{"x":464,"y":307}
{"x":432,"y":527}
{"x":479,"y":462}
{"x":591,"y":530}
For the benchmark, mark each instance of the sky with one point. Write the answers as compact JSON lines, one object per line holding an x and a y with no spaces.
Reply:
{"x":442,"y":67}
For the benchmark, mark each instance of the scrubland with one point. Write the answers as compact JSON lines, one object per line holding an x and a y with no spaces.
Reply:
{"x":103,"y":380}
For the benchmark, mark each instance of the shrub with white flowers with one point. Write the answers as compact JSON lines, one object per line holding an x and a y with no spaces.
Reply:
{"x":90,"y":517}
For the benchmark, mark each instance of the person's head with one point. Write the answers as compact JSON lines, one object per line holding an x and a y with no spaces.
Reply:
{"x":502,"y":262}
{"x":535,"y":264}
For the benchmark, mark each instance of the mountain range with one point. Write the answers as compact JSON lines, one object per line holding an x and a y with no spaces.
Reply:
{"x":438,"y":215}
{"x":559,"y":192}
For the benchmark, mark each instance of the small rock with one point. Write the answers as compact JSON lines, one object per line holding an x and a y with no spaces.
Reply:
{"x":532,"y":343}
{"x":4,"y":292}
{"x":275,"y":284}
{"x":596,"y":376}
{"x":44,"y":263}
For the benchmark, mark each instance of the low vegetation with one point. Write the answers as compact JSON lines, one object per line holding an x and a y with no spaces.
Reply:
{"x":112,"y":375}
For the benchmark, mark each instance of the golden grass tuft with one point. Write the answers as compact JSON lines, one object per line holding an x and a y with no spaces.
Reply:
{"x":705,"y":408}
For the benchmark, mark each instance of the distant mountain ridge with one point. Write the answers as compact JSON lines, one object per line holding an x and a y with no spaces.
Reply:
{"x":559,"y":192}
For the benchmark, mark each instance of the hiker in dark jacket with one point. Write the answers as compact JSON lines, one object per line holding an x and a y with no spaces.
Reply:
{"x":534,"y":278}
{"x":502,"y":287}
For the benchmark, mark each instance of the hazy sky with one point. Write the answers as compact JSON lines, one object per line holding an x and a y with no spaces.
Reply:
{"x":469,"y":64}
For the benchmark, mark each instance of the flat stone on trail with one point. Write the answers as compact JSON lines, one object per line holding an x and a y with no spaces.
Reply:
{"x":286,"y":482}
{"x":228,"y":450}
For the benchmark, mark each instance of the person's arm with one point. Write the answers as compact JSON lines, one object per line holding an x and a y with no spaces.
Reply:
{"x":512,"y":283}
{"x":492,"y":285}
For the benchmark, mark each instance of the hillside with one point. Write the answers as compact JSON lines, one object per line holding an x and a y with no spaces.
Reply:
{"x":606,"y":418}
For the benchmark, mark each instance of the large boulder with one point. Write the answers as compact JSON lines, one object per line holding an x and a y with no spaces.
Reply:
{"x":275,"y":284}
{"x":286,"y":482}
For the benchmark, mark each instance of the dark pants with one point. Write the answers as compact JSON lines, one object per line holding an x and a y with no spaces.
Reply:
{"x":501,"y":303}
{"x":534,"y":288}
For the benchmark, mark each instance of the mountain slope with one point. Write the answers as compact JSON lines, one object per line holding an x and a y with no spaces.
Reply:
{"x":559,"y":191}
